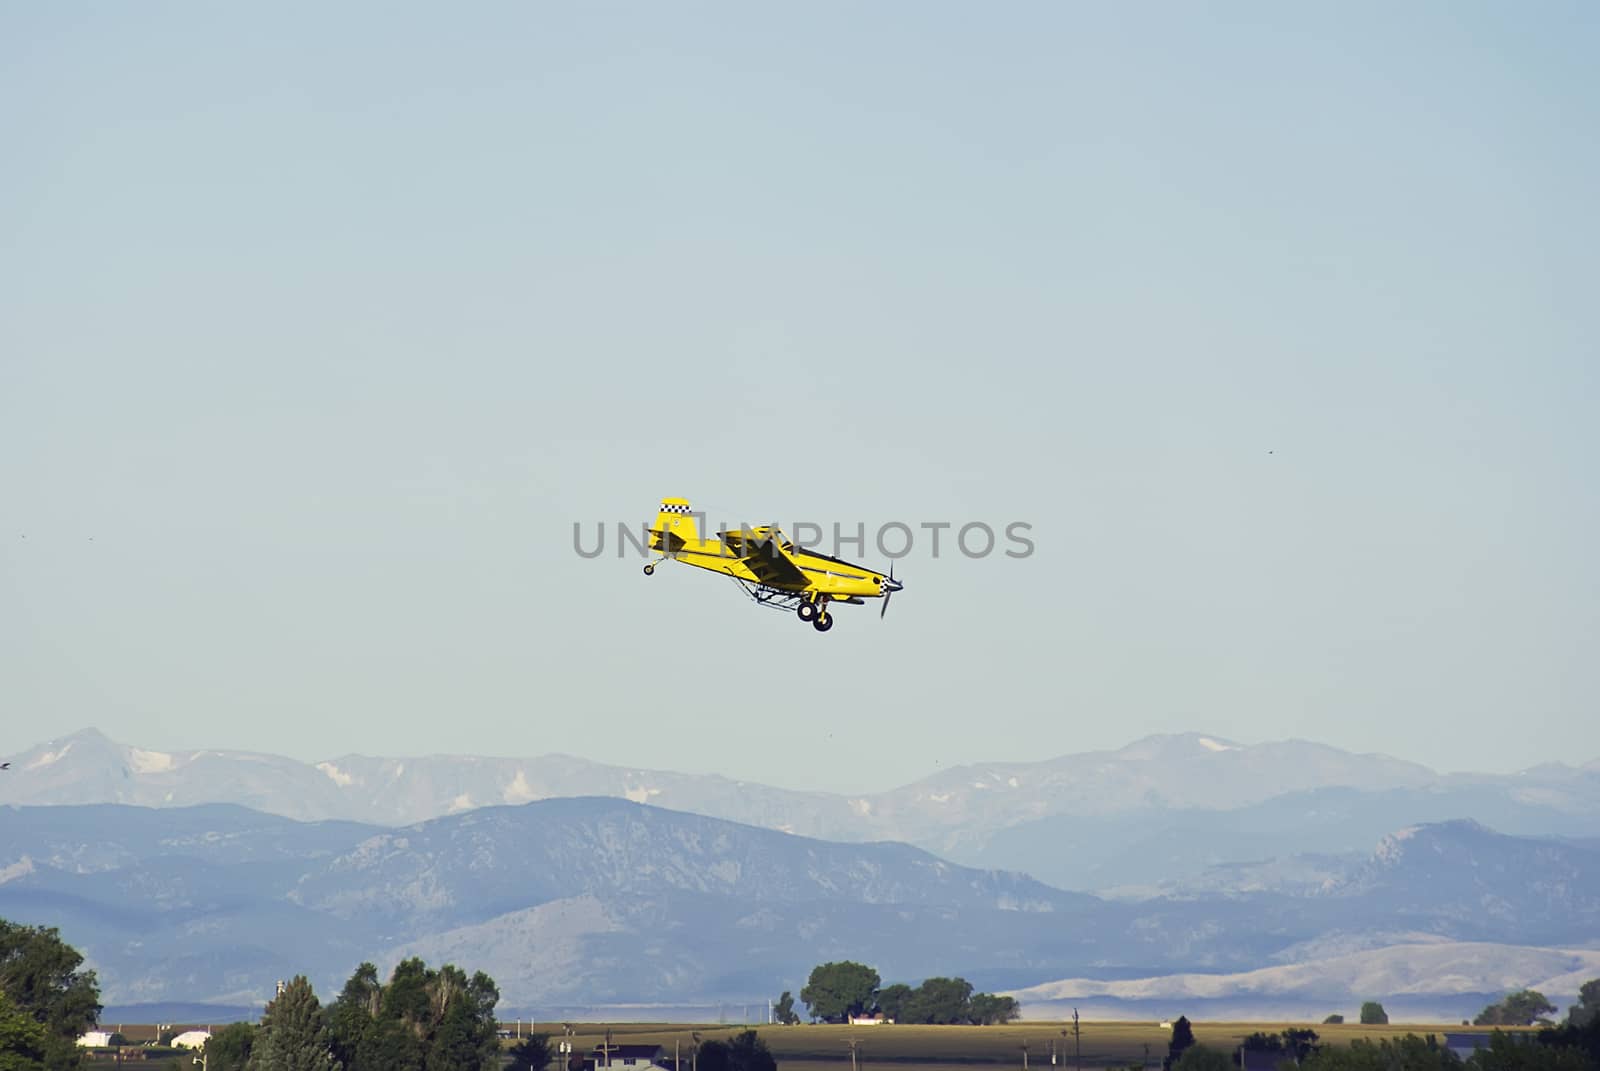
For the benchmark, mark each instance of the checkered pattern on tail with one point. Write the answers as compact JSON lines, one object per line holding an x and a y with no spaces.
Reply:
{"x":675,"y":526}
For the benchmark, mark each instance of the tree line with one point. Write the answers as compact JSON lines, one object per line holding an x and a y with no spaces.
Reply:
{"x":1573,"y":1045}
{"x":421,"y":1019}
{"x":837,"y":992}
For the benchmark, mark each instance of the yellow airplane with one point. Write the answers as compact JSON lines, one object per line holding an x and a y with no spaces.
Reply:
{"x":772,"y":570}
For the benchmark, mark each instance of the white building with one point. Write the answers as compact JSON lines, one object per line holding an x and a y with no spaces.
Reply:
{"x":95,"y":1039}
{"x":635,"y":1057}
{"x":191,"y":1039}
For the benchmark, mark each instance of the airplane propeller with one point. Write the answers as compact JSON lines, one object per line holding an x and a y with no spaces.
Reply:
{"x":888,"y":589}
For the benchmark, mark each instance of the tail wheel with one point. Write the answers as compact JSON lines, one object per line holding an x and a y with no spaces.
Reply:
{"x":806,"y":611}
{"x":823,"y":622}
{"x":650,"y":569}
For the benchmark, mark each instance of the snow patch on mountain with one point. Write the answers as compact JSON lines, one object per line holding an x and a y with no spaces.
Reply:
{"x":150,"y":762}
{"x":1216,"y":745}
{"x":519,"y":791}
{"x":50,"y":757}
{"x":336,"y":775}
{"x":21,"y":868}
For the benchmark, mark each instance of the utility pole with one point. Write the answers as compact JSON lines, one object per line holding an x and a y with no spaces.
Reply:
{"x":1077,"y":1040}
{"x":855,"y":1046}
{"x":1024,"y":1056}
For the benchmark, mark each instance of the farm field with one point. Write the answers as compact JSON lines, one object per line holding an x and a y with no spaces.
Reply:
{"x":931,"y":1048}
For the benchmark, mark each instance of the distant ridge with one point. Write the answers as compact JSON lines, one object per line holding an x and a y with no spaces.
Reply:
{"x":600,"y":901}
{"x":179,"y":1014}
{"x":1436,"y":981}
{"x":1157,"y":811}
{"x":1185,"y":769}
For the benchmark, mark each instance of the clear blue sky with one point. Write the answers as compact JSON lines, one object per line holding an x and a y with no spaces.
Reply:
{"x":321,"y":325}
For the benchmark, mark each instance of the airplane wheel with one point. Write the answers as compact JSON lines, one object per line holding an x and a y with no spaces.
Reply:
{"x":823,"y":622}
{"x":806,"y":611}
{"x":650,"y":569}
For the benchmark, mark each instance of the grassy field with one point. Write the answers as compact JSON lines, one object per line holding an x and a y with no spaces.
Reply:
{"x":931,"y":1048}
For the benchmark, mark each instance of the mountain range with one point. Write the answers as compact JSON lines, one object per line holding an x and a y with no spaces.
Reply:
{"x":1227,"y":878}
{"x":1144,"y":818}
{"x":597,"y":900}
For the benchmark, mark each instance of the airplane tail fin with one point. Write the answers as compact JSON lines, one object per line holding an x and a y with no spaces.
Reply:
{"x":674,"y":527}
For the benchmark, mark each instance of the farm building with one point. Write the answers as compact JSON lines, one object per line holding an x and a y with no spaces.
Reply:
{"x":191,"y":1039}
{"x":636,"y":1057}
{"x":95,"y":1039}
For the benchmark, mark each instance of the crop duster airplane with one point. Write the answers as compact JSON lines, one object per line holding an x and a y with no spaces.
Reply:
{"x":771,"y":569}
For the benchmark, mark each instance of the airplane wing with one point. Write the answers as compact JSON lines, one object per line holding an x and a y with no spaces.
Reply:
{"x":762,"y":555}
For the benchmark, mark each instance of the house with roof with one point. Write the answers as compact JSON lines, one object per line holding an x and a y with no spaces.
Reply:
{"x":631,"y":1057}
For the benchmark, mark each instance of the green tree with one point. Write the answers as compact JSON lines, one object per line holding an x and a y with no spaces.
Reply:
{"x":784,"y":1011}
{"x":1587,"y":1009}
{"x":1525,"y":1007}
{"x":1507,"y":1052}
{"x":893,"y":1001}
{"x":1200,"y":1058}
{"x":1372,"y":1014}
{"x":422,"y":1020}
{"x":1295,"y":1043}
{"x":293,"y":1035}
{"x":1182,"y":1039}
{"x":836,"y":991}
{"x":42,"y":976}
{"x":389,"y":1044}
{"x":1300,"y":1042}
{"x":991,"y":1010}
{"x":742,"y":1052}
{"x":351,"y":1016}
{"x":940,"y":1002}
{"x":462,"y":1009}
{"x":228,"y":1049}
{"x":532,"y":1053}
{"x":1409,"y":1053}
{"x":1335,"y":1018}
{"x":1585,"y":1038}
{"x":23,"y":1039}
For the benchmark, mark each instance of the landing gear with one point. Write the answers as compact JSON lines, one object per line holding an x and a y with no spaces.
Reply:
{"x":822,"y":622}
{"x":650,"y":570}
{"x":806,"y":611}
